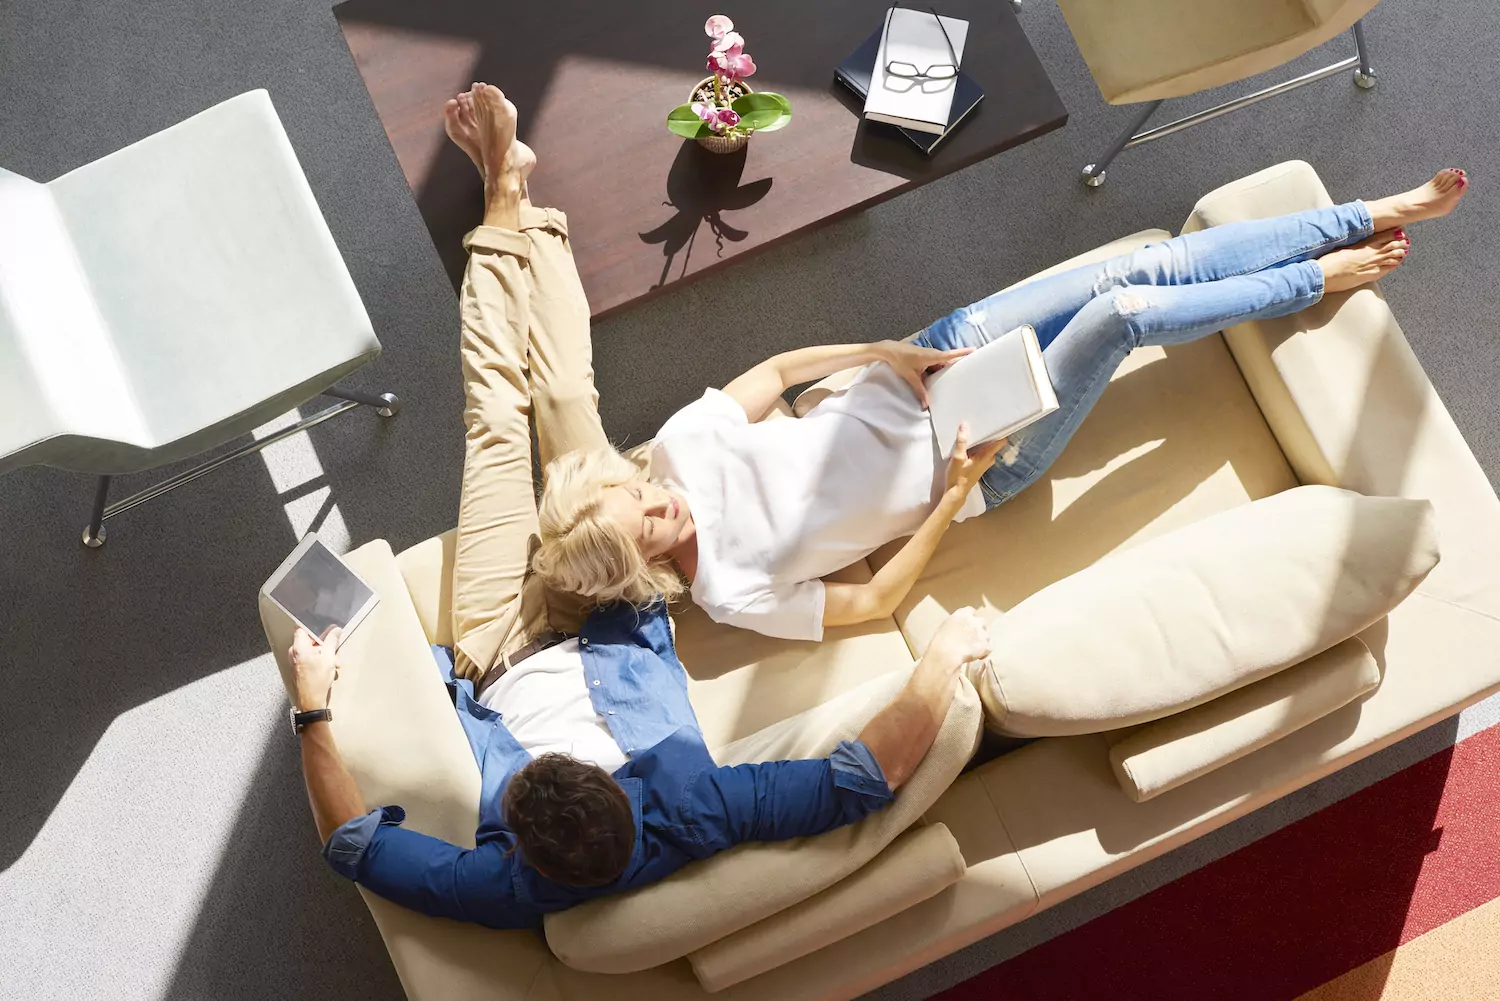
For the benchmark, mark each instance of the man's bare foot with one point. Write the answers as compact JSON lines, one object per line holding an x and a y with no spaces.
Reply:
{"x":505,"y":160}
{"x":1363,"y":262}
{"x":462,"y":128}
{"x":1436,"y":198}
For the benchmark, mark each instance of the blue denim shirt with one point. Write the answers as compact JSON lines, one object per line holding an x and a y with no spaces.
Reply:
{"x":686,"y":806}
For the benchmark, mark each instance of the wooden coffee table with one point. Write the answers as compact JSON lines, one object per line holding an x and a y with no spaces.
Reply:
{"x":594,"y":81}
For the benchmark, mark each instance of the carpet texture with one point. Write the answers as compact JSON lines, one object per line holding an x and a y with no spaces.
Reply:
{"x":1322,"y":909}
{"x":156,"y":841}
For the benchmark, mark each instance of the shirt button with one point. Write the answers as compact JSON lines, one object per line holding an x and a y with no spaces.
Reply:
{"x":596,"y":682}
{"x":584,"y":641}
{"x":611,"y":712}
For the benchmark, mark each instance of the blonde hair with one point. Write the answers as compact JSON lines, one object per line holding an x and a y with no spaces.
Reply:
{"x":585,"y":553}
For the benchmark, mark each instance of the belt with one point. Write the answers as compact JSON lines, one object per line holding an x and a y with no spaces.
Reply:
{"x":545,"y":641}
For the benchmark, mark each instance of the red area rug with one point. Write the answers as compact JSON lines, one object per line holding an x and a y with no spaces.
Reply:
{"x":1325,"y":908}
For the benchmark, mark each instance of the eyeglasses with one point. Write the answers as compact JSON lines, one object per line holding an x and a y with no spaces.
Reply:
{"x":910,"y":75}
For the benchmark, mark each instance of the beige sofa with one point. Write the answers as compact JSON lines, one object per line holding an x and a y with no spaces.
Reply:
{"x":1333,"y":395}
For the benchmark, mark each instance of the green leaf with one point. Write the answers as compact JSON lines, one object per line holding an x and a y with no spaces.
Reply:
{"x":763,"y":112}
{"x":684,"y":121}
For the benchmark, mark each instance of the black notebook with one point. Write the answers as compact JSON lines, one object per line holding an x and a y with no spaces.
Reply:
{"x":855,"y":72}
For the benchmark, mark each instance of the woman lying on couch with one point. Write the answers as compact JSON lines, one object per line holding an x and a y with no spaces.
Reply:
{"x":753,"y":513}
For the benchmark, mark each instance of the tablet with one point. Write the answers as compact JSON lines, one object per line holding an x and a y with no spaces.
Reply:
{"x":319,"y":591}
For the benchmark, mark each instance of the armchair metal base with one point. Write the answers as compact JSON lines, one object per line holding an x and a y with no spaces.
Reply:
{"x":386,"y":405}
{"x":1364,"y":77}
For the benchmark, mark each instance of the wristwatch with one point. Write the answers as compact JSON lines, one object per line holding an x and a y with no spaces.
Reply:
{"x":301,"y":719}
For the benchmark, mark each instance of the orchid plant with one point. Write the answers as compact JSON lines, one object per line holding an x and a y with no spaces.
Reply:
{"x":728,"y":108}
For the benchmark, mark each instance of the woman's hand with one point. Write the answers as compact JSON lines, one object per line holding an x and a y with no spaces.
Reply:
{"x":912,"y":362}
{"x":966,"y":466}
{"x":314,"y":667}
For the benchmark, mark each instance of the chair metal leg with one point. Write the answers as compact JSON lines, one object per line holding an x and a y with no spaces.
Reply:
{"x":1093,"y":174}
{"x":386,"y":404}
{"x":1364,"y":76}
{"x":93,"y":536}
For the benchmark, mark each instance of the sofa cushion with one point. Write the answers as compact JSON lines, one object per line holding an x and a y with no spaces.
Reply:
{"x":1159,"y":756}
{"x":1209,"y":608}
{"x":1175,"y":438}
{"x":919,"y":864}
{"x":722,"y":895}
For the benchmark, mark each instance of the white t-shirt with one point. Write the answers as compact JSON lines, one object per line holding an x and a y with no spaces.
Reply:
{"x":544,"y":703}
{"x":781,"y":503}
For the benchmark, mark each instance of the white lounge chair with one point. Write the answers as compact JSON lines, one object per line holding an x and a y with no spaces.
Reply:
{"x":168,"y":298}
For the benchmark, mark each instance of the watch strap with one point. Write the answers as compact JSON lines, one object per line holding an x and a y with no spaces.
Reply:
{"x":302,"y":719}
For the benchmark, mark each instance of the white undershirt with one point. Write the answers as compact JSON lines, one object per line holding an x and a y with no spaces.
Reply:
{"x":544,"y":703}
{"x":780,"y":503}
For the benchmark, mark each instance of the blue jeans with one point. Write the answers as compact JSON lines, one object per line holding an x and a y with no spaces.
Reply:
{"x":1089,"y":318}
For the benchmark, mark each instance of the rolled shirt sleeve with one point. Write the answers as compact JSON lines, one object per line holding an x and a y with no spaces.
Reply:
{"x":775,"y":800}
{"x":348,"y":843}
{"x":427,"y":874}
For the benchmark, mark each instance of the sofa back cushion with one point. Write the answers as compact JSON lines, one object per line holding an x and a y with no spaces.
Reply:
{"x":1204,"y":610}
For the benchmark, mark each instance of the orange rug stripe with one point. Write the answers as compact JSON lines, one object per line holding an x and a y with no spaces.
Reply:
{"x":1458,"y":961}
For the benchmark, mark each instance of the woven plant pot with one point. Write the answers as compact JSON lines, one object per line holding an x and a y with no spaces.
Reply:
{"x":720,"y":144}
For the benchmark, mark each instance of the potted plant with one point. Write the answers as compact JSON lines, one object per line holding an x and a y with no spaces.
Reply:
{"x":722,"y":111}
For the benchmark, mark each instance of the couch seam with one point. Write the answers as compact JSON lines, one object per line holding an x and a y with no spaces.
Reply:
{"x":1035,"y":893}
{"x":1456,"y":604}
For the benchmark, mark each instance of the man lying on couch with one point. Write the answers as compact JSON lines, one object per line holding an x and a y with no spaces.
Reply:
{"x":598,"y":779}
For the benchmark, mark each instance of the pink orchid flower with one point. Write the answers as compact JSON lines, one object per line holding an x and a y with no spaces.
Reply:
{"x":718,"y":119}
{"x":731,"y":62}
{"x":718,"y":26}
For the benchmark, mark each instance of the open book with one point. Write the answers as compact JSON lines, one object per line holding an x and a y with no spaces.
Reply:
{"x":998,"y":390}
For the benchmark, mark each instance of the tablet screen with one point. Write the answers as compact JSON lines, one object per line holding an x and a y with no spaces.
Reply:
{"x":319,"y":591}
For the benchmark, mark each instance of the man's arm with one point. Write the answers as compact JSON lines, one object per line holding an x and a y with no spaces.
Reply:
{"x":759,"y":389}
{"x":901,"y":734}
{"x":331,"y":790}
{"x":774,"y":800}
{"x":849,"y":604}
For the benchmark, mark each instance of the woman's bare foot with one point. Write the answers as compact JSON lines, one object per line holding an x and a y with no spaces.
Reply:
{"x":1363,"y":262}
{"x":1436,"y":198}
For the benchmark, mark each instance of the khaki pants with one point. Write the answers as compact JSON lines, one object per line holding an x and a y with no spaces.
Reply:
{"x":526,"y":353}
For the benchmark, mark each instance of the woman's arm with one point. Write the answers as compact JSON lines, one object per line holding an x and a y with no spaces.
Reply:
{"x":848,"y":604}
{"x":759,"y":389}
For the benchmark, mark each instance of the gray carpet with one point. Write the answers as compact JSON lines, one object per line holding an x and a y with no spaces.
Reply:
{"x":156,"y":842}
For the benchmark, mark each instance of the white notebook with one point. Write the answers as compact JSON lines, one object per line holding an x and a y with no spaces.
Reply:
{"x":914,"y":37}
{"x":999,"y":389}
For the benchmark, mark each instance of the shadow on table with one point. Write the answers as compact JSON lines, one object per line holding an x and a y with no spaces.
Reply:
{"x":701,"y":186}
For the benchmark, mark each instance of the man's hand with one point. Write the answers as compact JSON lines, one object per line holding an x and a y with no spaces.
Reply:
{"x":912,"y":362}
{"x":965,"y":467}
{"x":963,"y":637}
{"x":313,"y":667}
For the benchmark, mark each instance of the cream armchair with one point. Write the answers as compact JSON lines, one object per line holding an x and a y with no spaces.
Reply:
{"x":1143,"y":52}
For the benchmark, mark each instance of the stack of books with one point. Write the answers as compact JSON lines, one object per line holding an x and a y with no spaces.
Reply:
{"x":924,"y":108}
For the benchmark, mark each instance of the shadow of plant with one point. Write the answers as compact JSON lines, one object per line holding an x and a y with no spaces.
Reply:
{"x":702,"y":186}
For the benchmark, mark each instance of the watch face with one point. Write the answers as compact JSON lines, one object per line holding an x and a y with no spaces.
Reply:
{"x":292,"y":715}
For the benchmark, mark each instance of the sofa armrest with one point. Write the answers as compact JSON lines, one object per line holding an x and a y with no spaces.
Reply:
{"x":719,"y":896}
{"x":919,"y":864}
{"x":1349,"y":403}
{"x":400,"y":739}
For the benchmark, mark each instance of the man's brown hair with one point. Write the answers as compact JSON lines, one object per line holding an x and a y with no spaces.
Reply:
{"x":573,"y":822}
